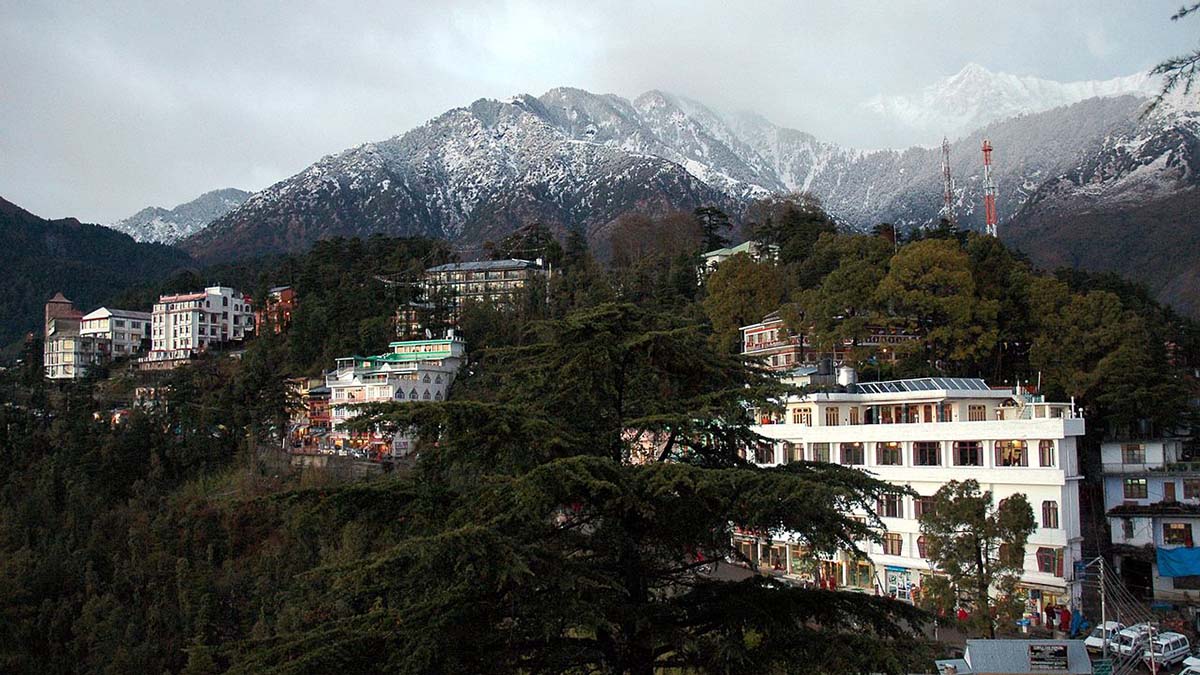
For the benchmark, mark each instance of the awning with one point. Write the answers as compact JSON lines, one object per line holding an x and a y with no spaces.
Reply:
{"x":1178,"y":562}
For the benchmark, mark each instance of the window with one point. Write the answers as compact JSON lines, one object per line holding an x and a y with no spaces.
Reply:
{"x":976,"y":413}
{"x":854,"y":416}
{"x":1050,"y":515}
{"x":831,"y":416}
{"x":888,"y":454}
{"x":1012,"y":453}
{"x":921,"y":547}
{"x":764,"y":454}
{"x":820,"y":452}
{"x":923,"y":505}
{"x":893,"y":544}
{"x":927,"y":453}
{"x":1127,"y":527}
{"x":1133,"y":453}
{"x":793,"y":451}
{"x":1177,"y":534}
{"x":968,"y":453}
{"x":802,"y":416}
{"x":1135,"y":488}
{"x":890,"y":506}
{"x":1050,"y":560}
{"x":1046,"y":453}
{"x":1191,"y":488}
{"x":852,"y":454}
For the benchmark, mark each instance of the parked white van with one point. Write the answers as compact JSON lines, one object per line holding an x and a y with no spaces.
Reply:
{"x":1133,"y":640}
{"x":1095,"y":641}
{"x":1168,"y":649}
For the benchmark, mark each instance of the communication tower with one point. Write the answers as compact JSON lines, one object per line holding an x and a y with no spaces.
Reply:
{"x":989,"y":190}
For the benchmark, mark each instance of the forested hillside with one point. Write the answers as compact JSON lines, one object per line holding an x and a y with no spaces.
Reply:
{"x":523,"y":540}
{"x":90,"y":264}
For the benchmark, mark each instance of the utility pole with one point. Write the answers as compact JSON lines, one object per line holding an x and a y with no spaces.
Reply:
{"x":1103,"y":607}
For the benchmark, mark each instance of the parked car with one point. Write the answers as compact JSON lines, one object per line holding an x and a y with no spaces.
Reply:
{"x":1133,"y":640}
{"x":1168,"y":649}
{"x":1095,"y":641}
{"x":1191,"y":666}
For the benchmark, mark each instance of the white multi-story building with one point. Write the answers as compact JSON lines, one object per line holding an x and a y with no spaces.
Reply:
{"x":921,"y":434}
{"x":124,"y":329}
{"x":417,"y":370}
{"x":67,"y":355}
{"x":183,"y":325}
{"x":1152,"y":501}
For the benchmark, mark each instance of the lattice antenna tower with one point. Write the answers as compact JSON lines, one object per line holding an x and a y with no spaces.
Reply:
{"x":989,"y":190}
{"x":947,"y":184}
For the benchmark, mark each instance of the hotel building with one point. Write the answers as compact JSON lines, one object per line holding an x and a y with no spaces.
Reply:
{"x":921,"y":434}
{"x":416,"y":370}
{"x":185,"y":325}
{"x":125,"y":330}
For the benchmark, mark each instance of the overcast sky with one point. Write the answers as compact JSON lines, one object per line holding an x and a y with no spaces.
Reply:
{"x":109,"y":107}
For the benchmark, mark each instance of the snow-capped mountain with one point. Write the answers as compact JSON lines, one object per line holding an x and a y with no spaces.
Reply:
{"x":574,"y":160}
{"x":976,"y":96}
{"x":167,"y":226}
{"x":470,"y":175}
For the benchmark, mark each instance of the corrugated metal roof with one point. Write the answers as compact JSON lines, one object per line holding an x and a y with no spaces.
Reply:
{"x":1012,"y":656}
{"x":485,"y":265}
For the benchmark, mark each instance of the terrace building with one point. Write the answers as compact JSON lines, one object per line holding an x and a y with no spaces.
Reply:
{"x":415,"y":370}
{"x":778,"y":348}
{"x":921,"y":434}
{"x":1152,"y":502}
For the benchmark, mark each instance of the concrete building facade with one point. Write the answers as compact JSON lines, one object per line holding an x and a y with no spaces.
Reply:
{"x":1152,"y":502}
{"x":415,"y":370}
{"x":921,"y":434}
{"x":128,"y":332}
{"x":187,"y":324}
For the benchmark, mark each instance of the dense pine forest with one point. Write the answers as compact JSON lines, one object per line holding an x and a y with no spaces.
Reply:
{"x":524,"y":540}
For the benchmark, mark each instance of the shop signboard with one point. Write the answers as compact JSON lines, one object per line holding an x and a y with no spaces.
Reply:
{"x":1050,"y":656}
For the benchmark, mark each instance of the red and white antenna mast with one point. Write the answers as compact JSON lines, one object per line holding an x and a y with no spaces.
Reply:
{"x":947,"y":183}
{"x":989,"y":190}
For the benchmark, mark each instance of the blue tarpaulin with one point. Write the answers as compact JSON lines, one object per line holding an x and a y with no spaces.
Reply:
{"x":1178,"y":562}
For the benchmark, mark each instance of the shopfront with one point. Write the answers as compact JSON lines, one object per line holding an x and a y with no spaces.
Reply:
{"x":898,"y":582}
{"x":860,"y":574}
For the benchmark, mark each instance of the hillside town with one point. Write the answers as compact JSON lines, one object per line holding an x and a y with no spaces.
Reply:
{"x":535,"y":338}
{"x":916,"y":434}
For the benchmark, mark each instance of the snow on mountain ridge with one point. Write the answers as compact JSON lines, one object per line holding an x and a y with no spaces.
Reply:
{"x":167,"y":226}
{"x":976,"y":96}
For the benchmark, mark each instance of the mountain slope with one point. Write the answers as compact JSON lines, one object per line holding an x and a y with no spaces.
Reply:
{"x":1129,"y":207}
{"x":470,"y":175}
{"x":167,"y":226}
{"x":88,"y":263}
